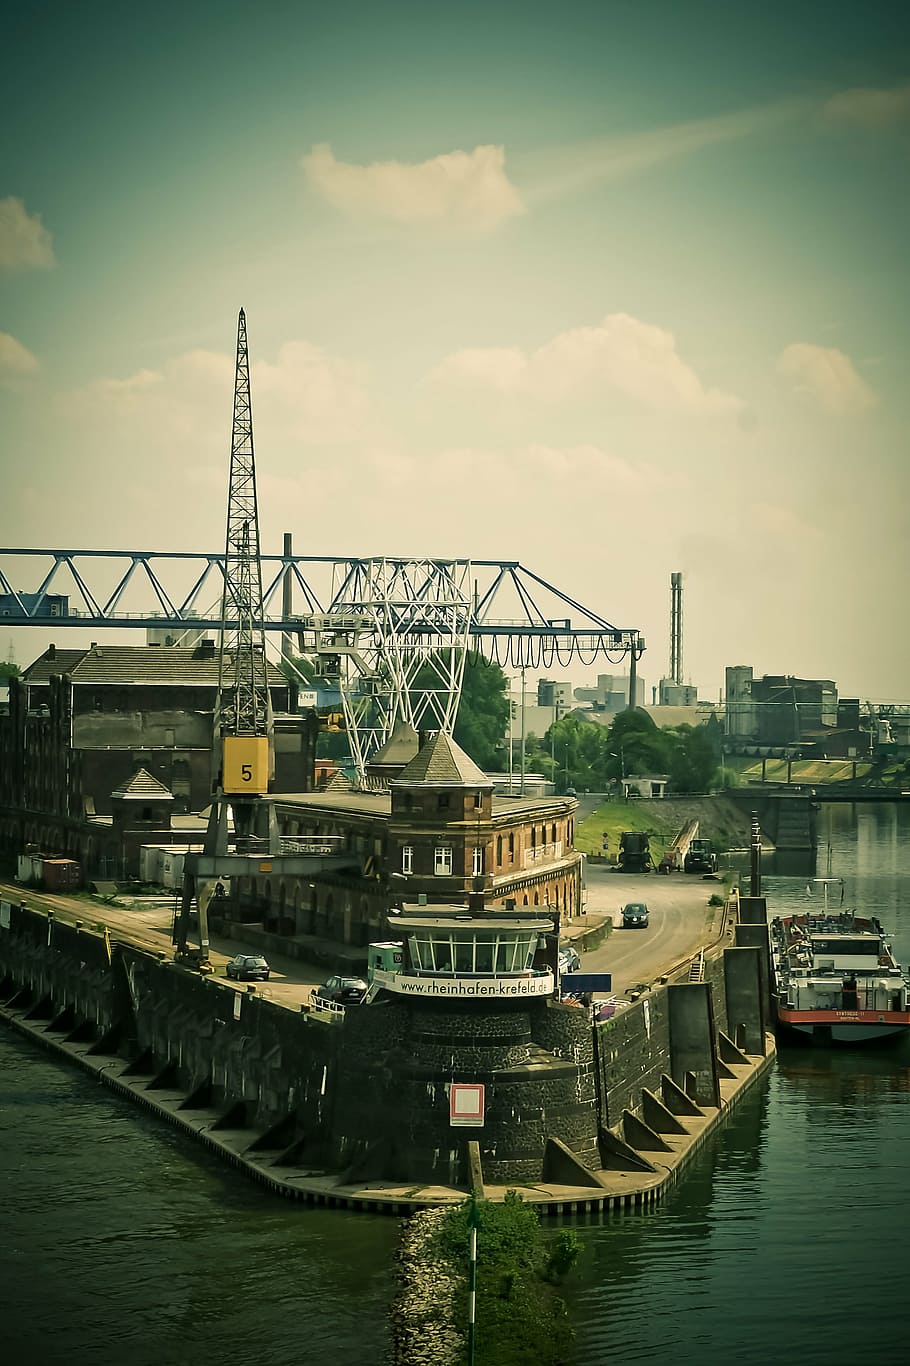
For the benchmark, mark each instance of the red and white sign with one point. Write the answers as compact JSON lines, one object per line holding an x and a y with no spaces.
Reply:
{"x":466,"y":1104}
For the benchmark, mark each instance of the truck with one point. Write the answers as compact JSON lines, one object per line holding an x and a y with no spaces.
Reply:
{"x":700,"y":858}
{"x":634,"y":852}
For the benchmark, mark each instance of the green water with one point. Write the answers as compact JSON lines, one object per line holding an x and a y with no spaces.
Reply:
{"x":787,"y":1242}
{"x":121,"y":1242}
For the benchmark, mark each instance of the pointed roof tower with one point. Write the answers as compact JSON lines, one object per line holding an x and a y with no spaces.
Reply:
{"x":442,"y":763}
{"x":143,"y":787}
{"x":402,"y":746}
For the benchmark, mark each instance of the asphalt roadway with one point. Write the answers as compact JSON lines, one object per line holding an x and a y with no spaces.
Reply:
{"x":680,"y":922}
{"x":148,"y":923}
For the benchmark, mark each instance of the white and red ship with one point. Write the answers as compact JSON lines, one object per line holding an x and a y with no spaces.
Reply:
{"x":836,"y":979}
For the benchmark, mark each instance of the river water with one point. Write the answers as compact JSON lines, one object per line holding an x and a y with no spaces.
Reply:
{"x":122,"y":1242}
{"x":787,"y":1242}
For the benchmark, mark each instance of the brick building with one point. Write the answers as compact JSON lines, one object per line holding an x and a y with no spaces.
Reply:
{"x":82,"y":724}
{"x":434,"y":830}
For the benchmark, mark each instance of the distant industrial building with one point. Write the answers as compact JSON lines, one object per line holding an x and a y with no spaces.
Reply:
{"x":612,"y":693}
{"x":784,"y":713}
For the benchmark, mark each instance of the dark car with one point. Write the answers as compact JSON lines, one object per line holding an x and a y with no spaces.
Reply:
{"x":248,"y":967}
{"x":569,"y":960}
{"x":342,"y":991}
{"x":635,"y":915}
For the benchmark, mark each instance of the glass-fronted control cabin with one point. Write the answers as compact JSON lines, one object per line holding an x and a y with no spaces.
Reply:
{"x":451,"y":953}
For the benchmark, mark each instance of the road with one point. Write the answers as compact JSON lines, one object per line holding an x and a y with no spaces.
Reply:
{"x":149,"y":926}
{"x":680,"y":922}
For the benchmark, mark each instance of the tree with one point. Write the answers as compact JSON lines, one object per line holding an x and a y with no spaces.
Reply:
{"x":9,"y":670}
{"x":693,"y":762}
{"x":483,"y":712}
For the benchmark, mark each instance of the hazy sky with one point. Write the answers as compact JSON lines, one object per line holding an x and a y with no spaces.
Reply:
{"x":614,"y":289}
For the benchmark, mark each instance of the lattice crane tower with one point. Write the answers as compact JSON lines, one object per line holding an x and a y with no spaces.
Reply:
{"x":243,"y":712}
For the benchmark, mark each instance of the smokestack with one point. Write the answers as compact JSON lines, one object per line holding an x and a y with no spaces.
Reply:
{"x":676,"y":664}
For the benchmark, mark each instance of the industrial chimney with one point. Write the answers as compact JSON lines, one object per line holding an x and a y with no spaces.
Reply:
{"x":676,"y":665}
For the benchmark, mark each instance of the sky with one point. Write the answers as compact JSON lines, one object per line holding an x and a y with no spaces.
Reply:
{"x":614,"y":289}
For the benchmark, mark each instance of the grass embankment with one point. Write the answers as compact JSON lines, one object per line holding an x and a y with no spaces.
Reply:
{"x":719,"y":820}
{"x":521,"y":1317}
{"x":801,"y":771}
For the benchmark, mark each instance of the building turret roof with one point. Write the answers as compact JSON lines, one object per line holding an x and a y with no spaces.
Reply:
{"x":402,"y":746}
{"x":143,"y":787}
{"x":442,"y":763}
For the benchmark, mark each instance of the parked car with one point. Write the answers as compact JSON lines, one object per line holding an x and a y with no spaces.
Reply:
{"x":635,"y":915}
{"x":569,"y":960}
{"x":342,"y":991}
{"x":248,"y":967}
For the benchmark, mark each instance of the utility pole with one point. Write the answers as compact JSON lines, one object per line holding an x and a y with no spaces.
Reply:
{"x":522,"y":789}
{"x":511,"y":737}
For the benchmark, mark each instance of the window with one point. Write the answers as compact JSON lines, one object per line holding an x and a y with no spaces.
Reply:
{"x":442,"y":801}
{"x":512,"y":848}
{"x":499,"y":851}
{"x":407,"y":858}
{"x":478,"y":800}
{"x":477,"y":860}
{"x":553,"y":834}
{"x":442,"y":860}
{"x":533,"y":837}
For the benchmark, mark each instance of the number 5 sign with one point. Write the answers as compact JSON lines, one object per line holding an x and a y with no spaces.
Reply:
{"x":246,"y":763}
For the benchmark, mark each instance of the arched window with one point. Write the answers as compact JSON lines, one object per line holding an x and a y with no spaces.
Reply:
{"x":499,"y":851}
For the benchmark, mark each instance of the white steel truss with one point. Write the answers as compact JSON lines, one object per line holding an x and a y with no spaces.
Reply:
{"x":395,"y":642}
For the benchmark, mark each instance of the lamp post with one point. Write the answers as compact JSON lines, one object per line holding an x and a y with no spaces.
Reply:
{"x":567,"y":765}
{"x":522,"y":792}
{"x":511,"y":739}
{"x":621,"y":756}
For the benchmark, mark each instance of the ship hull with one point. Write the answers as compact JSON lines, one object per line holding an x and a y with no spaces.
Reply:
{"x":845,"y":1027}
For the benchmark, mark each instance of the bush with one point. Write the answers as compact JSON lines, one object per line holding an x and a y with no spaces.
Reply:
{"x":521,"y":1320}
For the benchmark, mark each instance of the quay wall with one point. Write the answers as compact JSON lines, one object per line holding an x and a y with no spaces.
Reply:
{"x":362,"y":1097}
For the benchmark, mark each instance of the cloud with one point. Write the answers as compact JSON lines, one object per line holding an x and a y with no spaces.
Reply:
{"x":465,"y":191}
{"x":24,"y":240}
{"x":872,"y":109}
{"x":304,"y":395}
{"x":559,"y":171}
{"x":16,"y":361}
{"x":827,"y":376}
{"x":623,"y":354}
